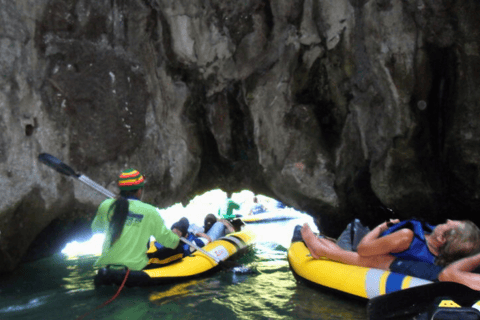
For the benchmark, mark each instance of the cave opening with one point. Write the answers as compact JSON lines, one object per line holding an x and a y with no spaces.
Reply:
{"x":195,"y":211}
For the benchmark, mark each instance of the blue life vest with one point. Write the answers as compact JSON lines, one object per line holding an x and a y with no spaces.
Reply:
{"x":192,"y":238}
{"x":418,"y":249}
{"x":186,"y":250}
{"x":257,"y":209}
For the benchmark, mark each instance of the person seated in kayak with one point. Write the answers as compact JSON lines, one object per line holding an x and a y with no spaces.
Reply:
{"x":226,"y":211}
{"x":129,"y":223}
{"x":212,"y":229}
{"x":401,"y":249}
{"x":199,"y":239}
{"x":465,"y":271}
{"x":257,"y":207}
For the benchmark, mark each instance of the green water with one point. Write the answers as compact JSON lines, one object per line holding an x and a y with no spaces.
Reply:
{"x":58,"y":288}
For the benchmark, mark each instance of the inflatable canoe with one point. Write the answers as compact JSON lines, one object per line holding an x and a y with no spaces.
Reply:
{"x":273,"y":215}
{"x":352,"y":280}
{"x":196,"y":265}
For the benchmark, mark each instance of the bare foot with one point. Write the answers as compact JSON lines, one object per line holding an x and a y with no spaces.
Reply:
{"x":307,"y":233}
{"x":312,"y":242}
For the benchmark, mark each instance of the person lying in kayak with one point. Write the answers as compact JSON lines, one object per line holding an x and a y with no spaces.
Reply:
{"x":403,"y":248}
{"x":465,"y":271}
{"x":128,"y":224}
{"x":211,"y":231}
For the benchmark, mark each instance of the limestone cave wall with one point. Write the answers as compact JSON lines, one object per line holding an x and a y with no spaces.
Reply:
{"x":338,"y":108}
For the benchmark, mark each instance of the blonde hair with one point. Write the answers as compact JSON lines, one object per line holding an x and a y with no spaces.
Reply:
{"x":460,"y":242}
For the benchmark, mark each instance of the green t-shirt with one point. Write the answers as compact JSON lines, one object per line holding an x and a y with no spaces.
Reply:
{"x":130,"y":249}
{"x":227,"y":211}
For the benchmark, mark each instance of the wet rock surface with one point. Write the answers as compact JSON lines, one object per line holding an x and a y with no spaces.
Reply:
{"x":338,"y":109}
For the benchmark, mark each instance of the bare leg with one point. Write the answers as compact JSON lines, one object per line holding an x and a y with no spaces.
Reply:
{"x":325,"y":248}
{"x":228,"y":225}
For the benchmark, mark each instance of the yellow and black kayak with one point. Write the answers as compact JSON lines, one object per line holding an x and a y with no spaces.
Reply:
{"x":360,"y":282}
{"x":196,"y":265}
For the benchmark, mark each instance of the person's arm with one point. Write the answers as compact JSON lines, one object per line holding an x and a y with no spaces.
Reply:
{"x":326,"y":248}
{"x":372,"y":244}
{"x":233,"y":205}
{"x":177,"y":232}
{"x":162,"y":234}
{"x":460,"y":271}
{"x":203,"y":235}
{"x":227,"y":225}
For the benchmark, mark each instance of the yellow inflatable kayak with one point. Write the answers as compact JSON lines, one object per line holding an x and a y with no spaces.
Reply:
{"x":196,"y":265}
{"x":357,"y":281}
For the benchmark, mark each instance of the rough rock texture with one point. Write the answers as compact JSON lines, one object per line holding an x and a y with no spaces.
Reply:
{"x":339,"y":108}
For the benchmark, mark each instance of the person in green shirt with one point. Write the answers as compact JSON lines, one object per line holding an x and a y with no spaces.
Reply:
{"x":128,"y":224}
{"x":226,"y":211}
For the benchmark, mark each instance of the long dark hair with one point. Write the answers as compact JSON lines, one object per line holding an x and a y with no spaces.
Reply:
{"x":120,"y":212}
{"x":210,"y":219}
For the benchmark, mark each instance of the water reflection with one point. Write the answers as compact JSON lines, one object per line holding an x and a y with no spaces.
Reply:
{"x":78,"y":278}
{"x":33,"y":303}
{"x":175,"y":292}
{"x":266,"y":294}
{"x":326,"y":305}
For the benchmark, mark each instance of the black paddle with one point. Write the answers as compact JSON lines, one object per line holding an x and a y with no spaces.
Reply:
{"x":63,"y":168}
{"x":419,"y":299}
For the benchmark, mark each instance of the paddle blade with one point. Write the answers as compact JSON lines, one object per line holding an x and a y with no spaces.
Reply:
{"x":56,"y":164}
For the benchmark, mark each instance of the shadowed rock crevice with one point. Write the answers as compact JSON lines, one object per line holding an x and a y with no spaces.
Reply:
{"x":23,"y":228}
{"x":440,"y":110}
{"x":314,"y":89}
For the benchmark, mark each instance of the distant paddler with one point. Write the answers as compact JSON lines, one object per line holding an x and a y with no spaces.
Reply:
{"x":257,"y":208}
{"x":226,"y":211}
